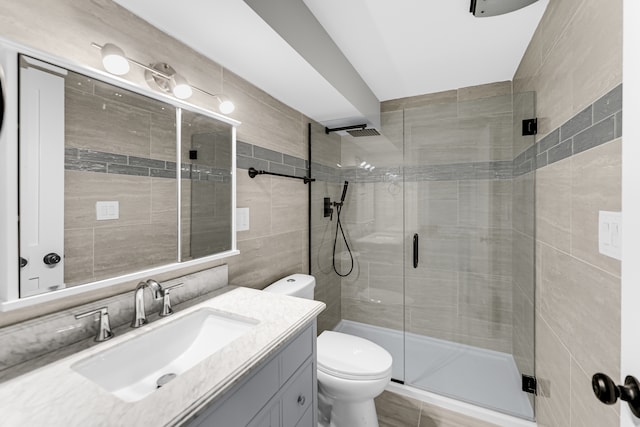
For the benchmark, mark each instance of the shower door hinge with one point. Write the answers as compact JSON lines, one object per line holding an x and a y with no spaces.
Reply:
{"x":529,"y":384}
{"x":529,"y":127}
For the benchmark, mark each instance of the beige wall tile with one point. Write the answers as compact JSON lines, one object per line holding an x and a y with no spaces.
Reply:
{"x":553,"y":204}
{"x":84,"y":189}
{"x":484,"y":297}
{"x":523,"y":261}
{"x":264,"y":260}
{"x":523,"y":209}
{"x":78,"y":256}
{"x":524,"y":107}
{"x":578,"y":302}
{"x":484,"y":91}
{"x":254,"y":194}
{"x":163,"y":136}
{"x":289,"y":205}
{"x":597,"y":65}
{"x":450,"y":96}
{"x":595,"y":186}
{"x":586,"y":410}
{"x":486,"y":203}
{"x":523,"y":336}
{"x":124,"y":249}
{"x":387,"y":316}
{"x":266,"y":126}
{"x":553,"y":369}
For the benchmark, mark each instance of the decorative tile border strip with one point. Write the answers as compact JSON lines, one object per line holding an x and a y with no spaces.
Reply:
{"x":449,"y":172}
{"x":249,"y":155}
{"x":80,"y":159}
{"x":597,"y":124}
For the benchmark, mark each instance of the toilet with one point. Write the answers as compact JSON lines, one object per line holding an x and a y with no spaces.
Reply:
{"x":352,"y":371}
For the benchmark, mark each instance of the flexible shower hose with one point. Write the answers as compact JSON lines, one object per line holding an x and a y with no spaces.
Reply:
{"x":335,"y":241}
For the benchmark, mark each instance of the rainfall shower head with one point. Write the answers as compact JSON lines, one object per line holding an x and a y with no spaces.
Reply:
{"x":354,"y":130}
{"x":363,"y":132}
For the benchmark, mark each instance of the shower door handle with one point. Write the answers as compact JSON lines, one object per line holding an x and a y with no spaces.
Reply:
{"x":415,"y":250}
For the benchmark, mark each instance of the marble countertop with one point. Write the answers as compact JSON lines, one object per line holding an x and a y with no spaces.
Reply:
{"x":56,"y":395}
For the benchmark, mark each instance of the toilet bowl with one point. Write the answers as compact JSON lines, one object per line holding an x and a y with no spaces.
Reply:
{"x":352,"y":371}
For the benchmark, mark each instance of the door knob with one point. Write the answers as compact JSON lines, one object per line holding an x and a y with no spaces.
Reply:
{"x":51,"y":258}
{"x":608,"y":392}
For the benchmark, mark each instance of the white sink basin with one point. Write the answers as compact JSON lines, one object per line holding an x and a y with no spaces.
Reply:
{"x":131,"y":370}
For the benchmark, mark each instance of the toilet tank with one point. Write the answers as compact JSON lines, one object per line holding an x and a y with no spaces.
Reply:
{"x":295,"y":285}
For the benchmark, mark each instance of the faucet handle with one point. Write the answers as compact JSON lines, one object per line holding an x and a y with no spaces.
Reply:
{"x":104,"y":332}
{"x":166,"y":301}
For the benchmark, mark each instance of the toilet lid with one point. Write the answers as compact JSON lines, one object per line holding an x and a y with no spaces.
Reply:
{"x":351,"y":357}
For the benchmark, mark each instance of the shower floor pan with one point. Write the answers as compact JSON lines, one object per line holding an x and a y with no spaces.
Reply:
{"x":475,"y":375}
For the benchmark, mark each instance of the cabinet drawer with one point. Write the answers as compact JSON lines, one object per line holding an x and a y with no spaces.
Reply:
{"x":297,"y":352}
{"x":239,"y":408}
{"x":298,"y":397}
{"x":270,"y":418}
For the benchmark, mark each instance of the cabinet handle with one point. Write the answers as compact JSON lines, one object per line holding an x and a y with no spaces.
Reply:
{"x":51,"y":259}
{"x":301,"y":400}
{"x":415,"y":250}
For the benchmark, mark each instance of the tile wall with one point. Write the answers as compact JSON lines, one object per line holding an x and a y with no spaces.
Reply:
{"x":574,"y":64}
{"x":457,"y":195}
{"x":129,"y":157}
{"x":325,"y":155}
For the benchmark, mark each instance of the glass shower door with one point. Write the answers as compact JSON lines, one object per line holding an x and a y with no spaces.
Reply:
{"x":371,"y":295}
{"x":463,"y":307}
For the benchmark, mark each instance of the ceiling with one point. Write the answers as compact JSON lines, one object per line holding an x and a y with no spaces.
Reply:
{"x":334,"y":60}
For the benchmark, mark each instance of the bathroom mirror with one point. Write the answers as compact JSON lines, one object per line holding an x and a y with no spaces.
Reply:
{"x":206,"y":186}
{"x":101,"y":196}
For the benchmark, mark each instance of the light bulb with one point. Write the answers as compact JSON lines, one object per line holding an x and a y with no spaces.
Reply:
{"x":362,"y":164}
{"x":180,"y":87}
{"x":226,"y":106}
{"x":113,"y":60}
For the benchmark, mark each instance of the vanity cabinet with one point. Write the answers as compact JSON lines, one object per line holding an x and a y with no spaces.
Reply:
{"x":280,"y":392}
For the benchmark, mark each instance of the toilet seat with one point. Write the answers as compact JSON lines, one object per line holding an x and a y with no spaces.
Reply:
{"x":353,"y":358}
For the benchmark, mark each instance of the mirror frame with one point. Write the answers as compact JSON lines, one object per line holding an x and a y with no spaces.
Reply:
{"x":9,"y":172}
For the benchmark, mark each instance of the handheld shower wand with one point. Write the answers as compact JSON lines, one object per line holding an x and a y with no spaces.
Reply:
{"x":344,"y":191}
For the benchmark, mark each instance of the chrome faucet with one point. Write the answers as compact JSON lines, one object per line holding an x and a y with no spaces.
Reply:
{"x":158,"y":292}
{"x":104,"y":328}
{"x":139,"y":316}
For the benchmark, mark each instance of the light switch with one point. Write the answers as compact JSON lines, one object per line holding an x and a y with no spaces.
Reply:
{"x":610,"y":234}
{"x":242,"y":219}
{"x":107,"y":210}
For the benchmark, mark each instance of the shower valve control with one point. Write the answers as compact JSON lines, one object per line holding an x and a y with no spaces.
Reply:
{"x":328,"y":210}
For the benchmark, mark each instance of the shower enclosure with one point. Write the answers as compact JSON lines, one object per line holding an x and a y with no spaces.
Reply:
{"x":439,"y":217}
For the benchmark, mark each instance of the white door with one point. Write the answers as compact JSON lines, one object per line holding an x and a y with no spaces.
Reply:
{"x":630,"y":317}
{"x":41,"y":177}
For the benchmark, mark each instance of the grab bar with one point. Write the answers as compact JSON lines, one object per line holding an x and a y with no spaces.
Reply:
{"x":415,"y":250}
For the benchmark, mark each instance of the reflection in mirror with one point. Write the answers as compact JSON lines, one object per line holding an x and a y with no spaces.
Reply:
{"x":118,"y":149}
{"x":206,"y":186}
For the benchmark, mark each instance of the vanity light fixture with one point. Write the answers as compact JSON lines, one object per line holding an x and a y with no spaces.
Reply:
{"x":160,"y":76}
